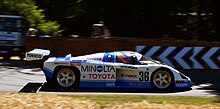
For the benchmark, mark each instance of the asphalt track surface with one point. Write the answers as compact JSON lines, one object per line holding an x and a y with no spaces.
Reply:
{"x":20,"y":76}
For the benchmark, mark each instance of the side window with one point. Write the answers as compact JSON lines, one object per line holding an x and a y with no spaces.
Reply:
{"x":127,"y":59}
{"x":122,"y":59}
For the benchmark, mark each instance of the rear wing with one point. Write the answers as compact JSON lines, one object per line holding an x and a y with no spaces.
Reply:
{"x":36,"y":54}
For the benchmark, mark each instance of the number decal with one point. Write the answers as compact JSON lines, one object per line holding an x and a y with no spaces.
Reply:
{"x":144,"y":76}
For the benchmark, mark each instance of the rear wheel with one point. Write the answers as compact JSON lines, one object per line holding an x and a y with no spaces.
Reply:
{"x":162,"y":79}
{"x":67,"y":78}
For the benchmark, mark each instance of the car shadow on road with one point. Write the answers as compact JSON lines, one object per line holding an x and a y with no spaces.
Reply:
{"x":31,"y":87}
{"x":212,"y":88}
{"x":20,"y":63}
{"x":44,"y":87}
{"x":206,"y":81}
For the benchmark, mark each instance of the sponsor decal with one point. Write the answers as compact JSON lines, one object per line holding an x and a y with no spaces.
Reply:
{"x":139,"y":84}
{"x":99,"y":68}
{"x":144,"y":76}
{"x":129,"y":75}
{"x":101,"y":76}
{"x":34,"y":55}
{"x":182,"y":85}
{"x":93,"y":58}
{"x":61,"y":63}
{"x":90,"y":68}
{"x":129,"y":67}
{"x":75,"y":64}
{"x":110,"y":84}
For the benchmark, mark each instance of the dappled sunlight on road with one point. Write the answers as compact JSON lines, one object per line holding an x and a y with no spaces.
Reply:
{"x":15,"y":74}
{"x":12,"y":58}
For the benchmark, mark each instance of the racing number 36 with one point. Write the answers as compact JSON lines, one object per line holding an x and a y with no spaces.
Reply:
{"x":144,"y":76}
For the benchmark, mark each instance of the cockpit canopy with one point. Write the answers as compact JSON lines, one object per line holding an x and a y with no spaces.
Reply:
{"x":126,"y":57}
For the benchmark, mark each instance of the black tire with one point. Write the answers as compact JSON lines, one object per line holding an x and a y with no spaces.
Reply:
{"x":67,"y":77}
{"x":49,"y":80}
{"x":162,"y":79}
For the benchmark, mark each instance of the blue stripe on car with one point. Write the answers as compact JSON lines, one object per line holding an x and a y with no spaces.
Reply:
{"x":63,"y":59}
{"x":78,"y":61}
{"x":47,"y":72}
{"x":67,"y":58}
{"x":59,"y":59}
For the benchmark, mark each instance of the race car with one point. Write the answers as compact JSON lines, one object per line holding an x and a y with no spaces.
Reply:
{"x":117,"y":69}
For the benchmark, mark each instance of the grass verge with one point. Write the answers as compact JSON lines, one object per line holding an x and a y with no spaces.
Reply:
{"x":51,"y":101}
{"x":104,"y":100}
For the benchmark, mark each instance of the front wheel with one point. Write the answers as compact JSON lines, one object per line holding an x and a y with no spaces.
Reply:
{"x":67,"y":78}
{"x":162,"y":79}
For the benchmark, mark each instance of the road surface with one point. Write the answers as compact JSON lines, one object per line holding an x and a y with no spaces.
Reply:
{"x":18,"y":76}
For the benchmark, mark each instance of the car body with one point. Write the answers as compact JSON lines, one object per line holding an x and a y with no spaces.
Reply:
{"x":117,"y":69}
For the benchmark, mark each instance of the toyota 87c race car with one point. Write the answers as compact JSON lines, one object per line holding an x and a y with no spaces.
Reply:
{"x":118,"y":69}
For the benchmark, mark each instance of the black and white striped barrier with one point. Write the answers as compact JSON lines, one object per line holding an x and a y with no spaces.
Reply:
{"x":184,"y":57}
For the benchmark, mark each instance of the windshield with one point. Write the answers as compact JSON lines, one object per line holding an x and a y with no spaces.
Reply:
{"x":126,"y":57}
{"x":11,"y":24}
{"x":144,"y":58}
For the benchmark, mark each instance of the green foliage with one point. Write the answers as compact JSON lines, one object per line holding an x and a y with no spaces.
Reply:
{"x":32,"y":14}
{"x":142,"y":18}
{"x":50,"y":28}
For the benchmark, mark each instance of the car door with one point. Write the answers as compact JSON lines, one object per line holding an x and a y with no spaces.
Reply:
{"x":130,"y":74}
{"x":99,"y":73}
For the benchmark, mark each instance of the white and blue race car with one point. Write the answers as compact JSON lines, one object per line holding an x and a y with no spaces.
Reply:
{"x":118,"y":69}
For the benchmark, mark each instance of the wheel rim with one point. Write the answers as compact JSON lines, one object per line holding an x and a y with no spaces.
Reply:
{"x":65,"y":77}
{"x":162,"y":79}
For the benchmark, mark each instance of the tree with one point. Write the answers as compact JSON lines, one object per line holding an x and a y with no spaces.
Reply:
{"x":65,"y":12}
{"x":178,"y":19}
{"x":216,"y":18}
{"x":32,"y":14}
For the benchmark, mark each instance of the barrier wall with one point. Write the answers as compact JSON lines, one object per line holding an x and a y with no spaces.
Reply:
{"x":179,"y":54}
{"x":197,"y":57}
